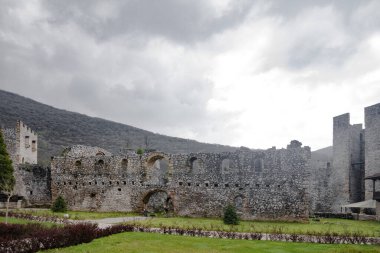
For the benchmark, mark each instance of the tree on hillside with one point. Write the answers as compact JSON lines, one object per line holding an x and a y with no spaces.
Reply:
{"x":7,"y":179}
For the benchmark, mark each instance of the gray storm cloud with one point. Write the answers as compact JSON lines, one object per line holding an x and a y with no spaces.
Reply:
{"x":253,"y":73}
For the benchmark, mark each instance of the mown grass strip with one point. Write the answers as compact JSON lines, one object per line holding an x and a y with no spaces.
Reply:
{"x":132,"y":242}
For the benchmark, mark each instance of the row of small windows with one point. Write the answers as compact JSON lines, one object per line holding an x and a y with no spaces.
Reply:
{"x":96,"y":183}
{"x":207,"y":184}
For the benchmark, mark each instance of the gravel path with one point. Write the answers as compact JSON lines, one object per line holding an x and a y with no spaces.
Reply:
{"x":107,"y":222}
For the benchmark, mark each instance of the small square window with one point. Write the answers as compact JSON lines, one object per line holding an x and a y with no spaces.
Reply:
{"x":226,"y":185}
{"x":119,"y":189}
{"x":180,"y":183}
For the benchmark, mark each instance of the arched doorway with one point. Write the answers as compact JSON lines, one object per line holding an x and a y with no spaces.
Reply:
{"x":158,"y":201}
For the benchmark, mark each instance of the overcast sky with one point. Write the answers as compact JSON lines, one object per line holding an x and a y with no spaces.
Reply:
{"x":241,"y":73}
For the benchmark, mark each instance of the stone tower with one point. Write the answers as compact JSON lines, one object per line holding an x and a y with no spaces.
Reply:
{"x":348,"y":162}
{"x":26,"y":144}
{"x":372,"y":146}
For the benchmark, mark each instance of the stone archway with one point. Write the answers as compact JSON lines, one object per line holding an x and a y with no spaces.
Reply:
{"x":158,"y":169}
{"x":158,"y":201}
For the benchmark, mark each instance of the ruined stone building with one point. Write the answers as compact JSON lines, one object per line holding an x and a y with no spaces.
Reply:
{"x":32,"y":180}
{"x":272,"y":183}
{"x":269,"y":183}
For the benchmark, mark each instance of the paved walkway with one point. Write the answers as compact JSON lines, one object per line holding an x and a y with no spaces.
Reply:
{"x":107,"y":222}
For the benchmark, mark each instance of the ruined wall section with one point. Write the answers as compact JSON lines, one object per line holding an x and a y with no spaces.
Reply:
{"x":320,"y":191}
{"x":372,"y":146}
{"x":9,"y":135}
{"x":35,"y":183}
{"x":261,"y":184}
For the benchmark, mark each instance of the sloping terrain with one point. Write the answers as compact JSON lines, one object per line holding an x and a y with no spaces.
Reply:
{"x":58,"y":128}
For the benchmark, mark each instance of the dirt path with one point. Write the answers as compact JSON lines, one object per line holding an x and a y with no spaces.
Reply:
{"x":107,"y":222}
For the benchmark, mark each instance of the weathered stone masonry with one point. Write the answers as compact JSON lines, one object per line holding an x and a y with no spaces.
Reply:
{"x":271,"y":183}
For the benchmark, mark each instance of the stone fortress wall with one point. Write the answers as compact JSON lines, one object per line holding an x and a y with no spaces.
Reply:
{"x":271,"y":183}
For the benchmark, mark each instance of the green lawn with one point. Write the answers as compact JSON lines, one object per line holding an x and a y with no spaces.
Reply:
{"x":368,"y":228}
{"x":150,"y":242}
{"x":76,"y":215}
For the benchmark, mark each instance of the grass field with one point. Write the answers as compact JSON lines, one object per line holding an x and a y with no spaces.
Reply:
{"x":341,"y":226}
{"x":146,"y":242}
{"x":75,"y":215}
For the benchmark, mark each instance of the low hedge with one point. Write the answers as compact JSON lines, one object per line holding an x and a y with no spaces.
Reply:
{"x":34,"y":237}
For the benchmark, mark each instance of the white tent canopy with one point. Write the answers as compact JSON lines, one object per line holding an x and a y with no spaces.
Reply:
{"x":364,"y":204}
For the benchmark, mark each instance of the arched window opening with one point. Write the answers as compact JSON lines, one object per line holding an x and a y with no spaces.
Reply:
{"x":238,"y":202}
{"x":100,"y":162}
{"x":78,"y":164}
{"x":157,"y":171}
{"x":34,"y":146}
{"x":124,"y":163}
{"x":196,"y":165}
{"x":258,"y":165}
{"x":193,"y":162}
{"x":225,"y":165}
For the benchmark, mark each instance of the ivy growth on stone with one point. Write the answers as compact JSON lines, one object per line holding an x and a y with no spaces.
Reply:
{"x":140,"y":151}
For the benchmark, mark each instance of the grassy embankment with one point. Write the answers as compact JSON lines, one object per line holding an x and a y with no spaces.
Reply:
{"x":147,"y":242}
